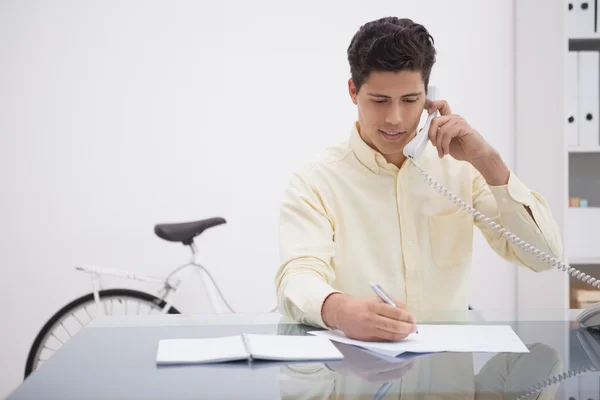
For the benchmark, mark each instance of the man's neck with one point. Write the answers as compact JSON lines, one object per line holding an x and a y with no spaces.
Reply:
{"x":396,"y":159}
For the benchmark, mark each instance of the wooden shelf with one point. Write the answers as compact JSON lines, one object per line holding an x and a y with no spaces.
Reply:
{"x":585,"y":38}
{"x":584,"y":261}
{"x":585,"y":150}
{"x":584,"y":44}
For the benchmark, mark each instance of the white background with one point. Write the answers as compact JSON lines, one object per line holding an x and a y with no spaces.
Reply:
{"x":119,"y":115}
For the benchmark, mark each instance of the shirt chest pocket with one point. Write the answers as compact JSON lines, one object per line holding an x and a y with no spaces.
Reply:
{"x":451,"y":238}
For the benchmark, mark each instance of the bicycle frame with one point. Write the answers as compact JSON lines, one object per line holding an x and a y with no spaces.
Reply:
{"x":212,"y":291}
{"x":98,"y":272}
{"x":168,"y":284}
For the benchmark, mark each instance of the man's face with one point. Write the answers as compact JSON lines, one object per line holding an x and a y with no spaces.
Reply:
{"x":390,"y":105}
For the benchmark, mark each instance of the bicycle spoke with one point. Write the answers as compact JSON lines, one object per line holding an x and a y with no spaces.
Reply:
{"x":125,"y":302}
{"x":48,"y":348}
{"x":66,"y":330}
{"x":78,"y":320}
{"x":87,"y":312}
{"x":138,"y":308}
{"x":56,"y":337}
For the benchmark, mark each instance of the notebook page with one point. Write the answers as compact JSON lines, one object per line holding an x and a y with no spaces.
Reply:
{"x":201,"y":350}
{"x":292,"y":348}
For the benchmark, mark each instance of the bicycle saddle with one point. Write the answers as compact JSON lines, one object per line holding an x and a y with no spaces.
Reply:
{"x":185,"y":232}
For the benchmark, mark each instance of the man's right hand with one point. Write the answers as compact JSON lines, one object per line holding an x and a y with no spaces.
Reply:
{"x":367,"y":318}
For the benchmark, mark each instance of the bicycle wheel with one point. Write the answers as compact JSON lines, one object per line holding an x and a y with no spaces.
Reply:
{"x":78,"y":313}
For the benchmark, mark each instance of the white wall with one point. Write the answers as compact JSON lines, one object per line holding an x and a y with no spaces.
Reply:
{"x":119,"y":115}
{"x":541,"y":51}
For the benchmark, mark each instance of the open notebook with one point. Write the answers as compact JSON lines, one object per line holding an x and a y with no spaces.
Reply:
{"x":246,"y":347}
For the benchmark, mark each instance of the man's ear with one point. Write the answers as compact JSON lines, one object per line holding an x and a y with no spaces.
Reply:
{"x":352,"y":90}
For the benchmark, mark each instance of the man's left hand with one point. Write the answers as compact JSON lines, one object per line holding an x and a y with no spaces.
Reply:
{"x":452,"y":134}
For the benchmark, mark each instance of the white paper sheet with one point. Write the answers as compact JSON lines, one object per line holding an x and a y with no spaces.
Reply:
{"x":437,"y":338}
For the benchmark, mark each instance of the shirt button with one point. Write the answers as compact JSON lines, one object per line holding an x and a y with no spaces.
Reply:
{"x":410,"y":243}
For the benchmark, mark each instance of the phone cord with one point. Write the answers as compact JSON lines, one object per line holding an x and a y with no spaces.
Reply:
{"x":555,"y":379}
{"x":555,"y":262}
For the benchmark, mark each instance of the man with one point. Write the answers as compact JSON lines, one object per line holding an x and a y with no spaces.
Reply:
{"x":362,"y":213}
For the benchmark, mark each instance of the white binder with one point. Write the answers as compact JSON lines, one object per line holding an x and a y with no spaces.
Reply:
{"x":571,"y":105}
{"x":588,"y":99}
{"x":581,"y":16}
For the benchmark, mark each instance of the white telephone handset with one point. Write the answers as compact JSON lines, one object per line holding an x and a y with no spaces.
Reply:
{"x":415,"y":147}
{"x":590,"y":318}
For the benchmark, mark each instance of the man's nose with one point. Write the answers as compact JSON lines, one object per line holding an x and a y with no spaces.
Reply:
{"x":394,"y":116}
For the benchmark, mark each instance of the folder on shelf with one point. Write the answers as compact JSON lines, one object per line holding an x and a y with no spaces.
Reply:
{"x":572,"y":14}
{"x":588,"y":99}
{"x":581,"y":18}
{"x":571,"y":103}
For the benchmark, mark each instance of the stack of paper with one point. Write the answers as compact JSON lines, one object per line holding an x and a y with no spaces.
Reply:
{"x":319,"y":347}
{"x":246,"y":347}
{"x":438,"y":338}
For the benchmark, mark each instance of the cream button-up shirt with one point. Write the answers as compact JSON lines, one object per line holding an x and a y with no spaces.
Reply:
{"x":349,"y":218}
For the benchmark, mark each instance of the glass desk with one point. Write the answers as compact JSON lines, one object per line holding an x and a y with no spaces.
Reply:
{"x":114,"y":358}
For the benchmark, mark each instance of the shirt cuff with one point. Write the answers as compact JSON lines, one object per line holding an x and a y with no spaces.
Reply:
{"x":512,"y":196}
{"x":314,"y":304}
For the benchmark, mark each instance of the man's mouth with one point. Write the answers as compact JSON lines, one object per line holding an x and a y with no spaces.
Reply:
{"x":391,"y":134}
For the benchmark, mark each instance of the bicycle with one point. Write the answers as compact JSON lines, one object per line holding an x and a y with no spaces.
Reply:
{"x":67,"y":321}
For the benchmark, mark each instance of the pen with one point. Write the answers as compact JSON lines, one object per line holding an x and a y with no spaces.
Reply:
{"x":383,"y":295}
{"x":382,"y":391}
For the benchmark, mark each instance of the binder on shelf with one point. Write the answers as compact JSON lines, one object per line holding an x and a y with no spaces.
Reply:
{"x":581,"y":240}
{"x":588,"y":99}
{"x":581,"y":18}
{"x":572,"y":103}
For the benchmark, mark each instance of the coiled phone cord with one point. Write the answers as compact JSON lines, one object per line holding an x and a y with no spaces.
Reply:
{"x":555,"y":379}
{"x":555,"y":262}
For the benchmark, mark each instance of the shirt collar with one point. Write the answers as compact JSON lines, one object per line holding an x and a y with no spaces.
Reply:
{"x":365,"y":153}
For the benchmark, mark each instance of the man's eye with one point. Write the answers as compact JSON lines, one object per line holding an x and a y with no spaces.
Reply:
{"x":379,"y":101}
{"x":410,"y":100}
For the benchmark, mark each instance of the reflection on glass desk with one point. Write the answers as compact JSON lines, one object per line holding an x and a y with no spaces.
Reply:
{"x":115,"y":359}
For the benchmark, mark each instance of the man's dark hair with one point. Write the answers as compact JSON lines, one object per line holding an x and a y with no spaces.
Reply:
{"x":390,"y":44}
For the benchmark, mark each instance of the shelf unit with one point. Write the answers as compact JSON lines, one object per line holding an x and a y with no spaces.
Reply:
{"x":546,"y":159}
{"x":547,"y":164}
{"x":581,"y":238}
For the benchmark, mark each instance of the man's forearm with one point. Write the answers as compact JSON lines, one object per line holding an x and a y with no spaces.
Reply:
{"x":493,"y":169}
